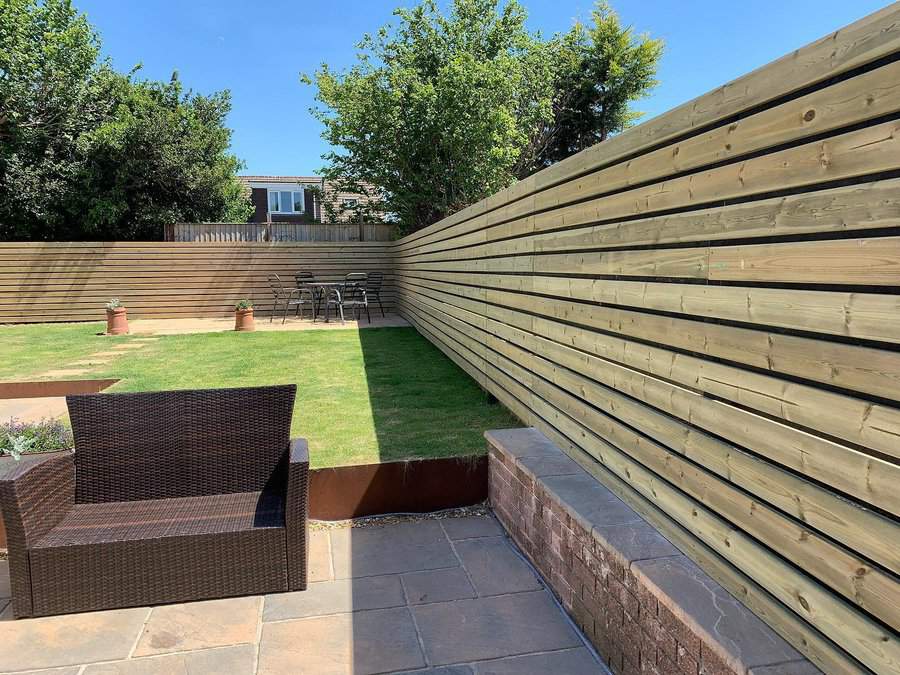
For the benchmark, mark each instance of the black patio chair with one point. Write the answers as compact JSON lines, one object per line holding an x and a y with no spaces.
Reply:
{"x":282,"y":295}
{"x":355,"y":295}
{"x":308,"y":294}
{"x":373,"y":289}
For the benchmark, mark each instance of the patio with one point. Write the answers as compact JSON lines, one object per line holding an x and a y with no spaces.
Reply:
{"x":436,"y":595}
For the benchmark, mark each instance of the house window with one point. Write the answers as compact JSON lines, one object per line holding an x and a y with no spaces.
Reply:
{"x":350,"y":203}
{"x":286,"y":201}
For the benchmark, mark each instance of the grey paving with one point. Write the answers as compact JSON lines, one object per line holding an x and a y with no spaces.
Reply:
{"x":527,"y":442}
{"x":333,"y":597}
{"x":709,"y":609}
{"x":398,"y":598}
{"x":487,"y":628}
{"x":437,"y":586}
{"x":635,"y":541}
{"x":569,"y":661}
{"x":376,"y":641}
{"x":4,"y":579}
{"x":406,"y":547}
{"x":471,"y":527}
{"x":791,"y":668}
{"x":550,"y":465}
{"x":495,"y":568}
{"x":442,"y":670}
{"x":591,"y":504}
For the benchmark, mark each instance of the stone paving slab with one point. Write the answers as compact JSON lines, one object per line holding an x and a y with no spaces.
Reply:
{"x":262,"y":323}
{"x":471,"y":527}
{"x":494,"y":568}
{"x":486,"y":628}
{"x":33,"y":409}
{"x":237,"y":660}
{"x":709,"y":609}
{"x":319,"y":566}
{"x":634,"y":541}
{"x":420,"y":619}
{"x":792,"y":668}
{"x":569,"y":661}
{"x":200,"y":625}
{"x":4,"y":579}
{"x":591,"y":503}
{"x":523,"y":442}
{"x":406,"y":547}
{"x":333,"y":597}
{"x":550,"y":465}
{"x":437,"y":586}
{"x":70,"y":639}
{"x":376,"y":641}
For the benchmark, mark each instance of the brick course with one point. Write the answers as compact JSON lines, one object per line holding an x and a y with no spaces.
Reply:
{"x":625,"y":618}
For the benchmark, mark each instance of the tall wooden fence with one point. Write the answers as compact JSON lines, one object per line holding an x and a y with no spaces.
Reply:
{"x":704,"y":311}
{"x":294,"y":232}
{"x":73,"y":281}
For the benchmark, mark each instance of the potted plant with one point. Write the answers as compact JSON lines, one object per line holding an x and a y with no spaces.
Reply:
{"x":243,"y":315}
{"x":116,"y":318}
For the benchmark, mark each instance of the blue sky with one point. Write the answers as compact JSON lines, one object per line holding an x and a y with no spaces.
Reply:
{"x":257,"y":50}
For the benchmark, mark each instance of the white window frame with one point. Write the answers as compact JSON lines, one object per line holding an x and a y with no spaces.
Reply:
{"x":286,"y":188}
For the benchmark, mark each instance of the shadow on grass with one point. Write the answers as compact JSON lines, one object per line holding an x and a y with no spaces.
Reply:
{"x":423,"y":404}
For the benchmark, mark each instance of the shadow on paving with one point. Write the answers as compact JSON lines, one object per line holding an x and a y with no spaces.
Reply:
{"x":438,"y":596}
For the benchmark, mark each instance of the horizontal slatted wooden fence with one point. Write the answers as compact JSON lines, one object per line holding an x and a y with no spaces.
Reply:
{"x":278,"y":231}
{"x":705,"y":311}
{"x":73,"y":281}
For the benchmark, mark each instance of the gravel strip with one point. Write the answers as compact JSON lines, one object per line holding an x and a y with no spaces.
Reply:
{"x":392,"y":519}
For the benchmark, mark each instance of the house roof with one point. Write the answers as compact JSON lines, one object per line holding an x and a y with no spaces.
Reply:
{"x":280,"y":179}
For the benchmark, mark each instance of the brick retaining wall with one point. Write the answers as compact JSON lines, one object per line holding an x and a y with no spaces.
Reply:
{"x":645,"y":607}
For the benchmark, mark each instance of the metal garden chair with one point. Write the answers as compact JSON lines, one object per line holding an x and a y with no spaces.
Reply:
{"x":373,"y":289}
{"x":355,"y":295}
{"x":308,"y":294}
{"x":282,"y":295}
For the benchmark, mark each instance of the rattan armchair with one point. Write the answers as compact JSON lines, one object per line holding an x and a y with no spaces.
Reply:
{"x":168,"y":497}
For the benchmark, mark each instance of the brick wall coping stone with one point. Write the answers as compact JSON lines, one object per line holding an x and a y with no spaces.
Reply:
{"x":713,"y":631}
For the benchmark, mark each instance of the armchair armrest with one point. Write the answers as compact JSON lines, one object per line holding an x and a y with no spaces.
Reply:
{"x":296,"y":512}
{"x":35,"y":494}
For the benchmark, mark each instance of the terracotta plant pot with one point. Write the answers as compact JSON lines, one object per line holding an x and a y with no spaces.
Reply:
{"x":117,"y":321}
{"x":243,"y":319}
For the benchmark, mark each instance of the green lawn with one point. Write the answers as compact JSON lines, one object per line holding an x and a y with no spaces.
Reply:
{"x":27,"y":351}
{"x":377,"y":394}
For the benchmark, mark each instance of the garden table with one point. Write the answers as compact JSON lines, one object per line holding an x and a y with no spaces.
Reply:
{"x":322,"y":289}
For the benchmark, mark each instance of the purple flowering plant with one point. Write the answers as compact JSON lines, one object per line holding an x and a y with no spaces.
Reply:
{"x":47,"y":435}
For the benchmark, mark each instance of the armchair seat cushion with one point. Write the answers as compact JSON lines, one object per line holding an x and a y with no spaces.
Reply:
{"x":108,"y":522}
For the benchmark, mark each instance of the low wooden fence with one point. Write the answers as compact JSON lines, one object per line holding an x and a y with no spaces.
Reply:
{"x":705,"y":312}
{"x":263,"y":232}
{"x":73,"y":281}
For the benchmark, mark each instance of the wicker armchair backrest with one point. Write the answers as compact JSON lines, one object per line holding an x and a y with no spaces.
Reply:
{"x":184,"y":443}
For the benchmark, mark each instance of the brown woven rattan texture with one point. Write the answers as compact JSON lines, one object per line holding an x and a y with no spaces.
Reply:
{"x":172,"y":496}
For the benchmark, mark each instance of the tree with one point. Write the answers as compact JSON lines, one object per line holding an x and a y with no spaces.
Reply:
{"x":162,"y":157}
{"x":599,"y":71}
{"x":442,"y":111}
{"x":436,"y":111}
{"x":89,"y":153}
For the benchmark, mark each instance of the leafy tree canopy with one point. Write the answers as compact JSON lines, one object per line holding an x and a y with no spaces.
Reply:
{"x":441,"y":111}
{"x":90,"y":153}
